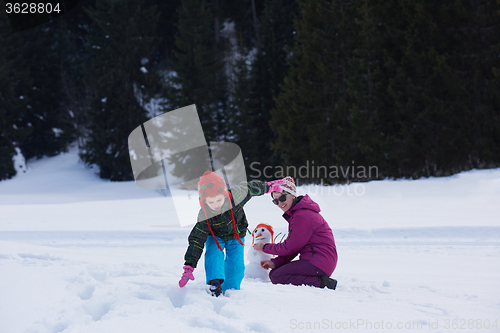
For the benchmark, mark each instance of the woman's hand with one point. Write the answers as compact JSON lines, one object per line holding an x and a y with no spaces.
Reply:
{"x":266,"y":264}
{"x":258,"y":246}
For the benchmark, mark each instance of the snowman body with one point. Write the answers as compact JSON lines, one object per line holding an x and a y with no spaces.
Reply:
{"x":263,"y":233}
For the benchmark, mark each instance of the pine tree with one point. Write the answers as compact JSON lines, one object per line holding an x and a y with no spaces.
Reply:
{"x":365,"y":86}
{"x":267,"y":74}
{"x":425,"y":109}
{"x":14,"y":82}
{"x":76,"y":97}
{"x":410,"y":87}
{"x":122,"y":41}
{"x":71,"y":33}
{"x":166,"y":30}
{"x":241,"y":85}
{"x":52,"y":129}
{"x":311,"y":115}
{"x":246,"y":14}
{"x":479,"y":60}
{"x":199,"y":72}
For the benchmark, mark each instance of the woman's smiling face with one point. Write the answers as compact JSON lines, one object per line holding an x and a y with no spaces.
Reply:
{"x":284,"y":205}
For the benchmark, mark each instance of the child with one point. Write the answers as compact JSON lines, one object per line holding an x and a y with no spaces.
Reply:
{"x":221,"y":226}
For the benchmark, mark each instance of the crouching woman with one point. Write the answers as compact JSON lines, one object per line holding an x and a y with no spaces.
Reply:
{"x":309,"y":236}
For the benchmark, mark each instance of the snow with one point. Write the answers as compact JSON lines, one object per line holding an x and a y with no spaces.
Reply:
{"x":80,"y":254}
{"x":154,"y":107}
{"x":19,"y":162}
{"x":57,"y":132}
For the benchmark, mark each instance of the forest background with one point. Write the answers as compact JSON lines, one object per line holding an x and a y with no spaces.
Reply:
{"x":411,"y":88}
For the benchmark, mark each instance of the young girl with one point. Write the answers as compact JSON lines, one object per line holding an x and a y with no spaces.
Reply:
{"x":221,"y":227}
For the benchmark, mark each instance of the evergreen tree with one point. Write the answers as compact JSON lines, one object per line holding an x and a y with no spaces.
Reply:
{"x":246,"y":14}
{"x":122,"y":40}
{"x":479,"y":62}
{"x":52,"y":129}
{"x":14,"y":82}
{"x":311,"y":114}
{"x":409,"y":100}
{"x":200,"y":77}
{"x":268,"y":71}
{"x":166,"y":31}
{"x":425,"y":117}
{"x":419,"y":89}
{"x":72,"y":33}
{"x":366,"y":88}
{"x":240,"y":96}
{"x":76,"y":97}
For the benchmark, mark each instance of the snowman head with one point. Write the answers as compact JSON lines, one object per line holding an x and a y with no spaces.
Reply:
{"x":263,"y":233}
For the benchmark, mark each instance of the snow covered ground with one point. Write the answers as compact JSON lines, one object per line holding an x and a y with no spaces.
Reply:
{"x":79,"y":254}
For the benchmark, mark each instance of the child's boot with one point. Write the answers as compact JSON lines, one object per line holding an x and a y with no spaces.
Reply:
{"x":216,"y":288}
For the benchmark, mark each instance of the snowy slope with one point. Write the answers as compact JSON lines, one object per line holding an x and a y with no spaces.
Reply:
{"x":79,"y":254}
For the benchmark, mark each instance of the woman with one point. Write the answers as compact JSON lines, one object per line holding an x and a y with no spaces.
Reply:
{"x":308,"y":235}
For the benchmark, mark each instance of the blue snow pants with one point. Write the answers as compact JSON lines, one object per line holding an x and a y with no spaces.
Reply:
{"x":229,"y":266}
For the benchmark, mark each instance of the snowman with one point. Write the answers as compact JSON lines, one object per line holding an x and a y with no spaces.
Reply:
{"x":263,"y":233}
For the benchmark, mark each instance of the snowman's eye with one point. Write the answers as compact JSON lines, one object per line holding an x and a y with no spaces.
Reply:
{"x":262,"y":230}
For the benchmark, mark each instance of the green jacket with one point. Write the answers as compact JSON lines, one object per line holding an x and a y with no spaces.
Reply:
{"x":222,"y":224}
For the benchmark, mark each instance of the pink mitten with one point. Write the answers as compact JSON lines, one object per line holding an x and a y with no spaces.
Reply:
{"x":186,"y":276}
{"x":274,"y":186}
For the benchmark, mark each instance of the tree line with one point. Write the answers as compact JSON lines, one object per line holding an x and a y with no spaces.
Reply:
{"x":408,"y":87}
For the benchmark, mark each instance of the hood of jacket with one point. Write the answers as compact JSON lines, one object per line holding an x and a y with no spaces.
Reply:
{"x":303,"y":202}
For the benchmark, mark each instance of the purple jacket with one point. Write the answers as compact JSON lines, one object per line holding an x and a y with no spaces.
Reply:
{"x":308,"y":234}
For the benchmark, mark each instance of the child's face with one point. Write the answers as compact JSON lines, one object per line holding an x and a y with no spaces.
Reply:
{"x":215,"y":202}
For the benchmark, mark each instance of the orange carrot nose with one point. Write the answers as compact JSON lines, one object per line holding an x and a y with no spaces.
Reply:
{"x":258,"y":235}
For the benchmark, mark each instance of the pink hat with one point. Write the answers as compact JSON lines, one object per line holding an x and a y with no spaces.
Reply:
{"x":289,"y":186}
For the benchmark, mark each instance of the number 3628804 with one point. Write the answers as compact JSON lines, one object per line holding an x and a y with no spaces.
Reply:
{"x":32,"y":8}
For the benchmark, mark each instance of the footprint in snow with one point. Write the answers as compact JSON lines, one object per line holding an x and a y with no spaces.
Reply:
{"x":97,"y":310}
{"x":87,"y":292}
{"x":177,"y":296}
{"x":100,"y":276}
{"x":219,"y":303}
